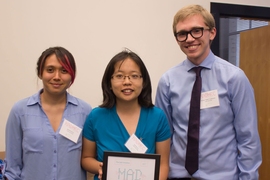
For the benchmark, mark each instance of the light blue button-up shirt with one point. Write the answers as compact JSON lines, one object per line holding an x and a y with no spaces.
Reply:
{"x":229,"y":144}
{"x":34,"y":151}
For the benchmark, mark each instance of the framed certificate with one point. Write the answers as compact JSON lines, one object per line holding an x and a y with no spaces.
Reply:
{"x":130,"y":166}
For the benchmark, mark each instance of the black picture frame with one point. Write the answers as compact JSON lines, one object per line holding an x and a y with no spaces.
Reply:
{"x":126,"y":165}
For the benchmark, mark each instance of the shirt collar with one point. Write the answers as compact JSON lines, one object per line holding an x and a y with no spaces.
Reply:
{"x":35,"y":99}
{"x":207,"y":62}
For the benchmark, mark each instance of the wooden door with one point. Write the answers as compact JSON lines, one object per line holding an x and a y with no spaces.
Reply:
{"x":255,"y":61}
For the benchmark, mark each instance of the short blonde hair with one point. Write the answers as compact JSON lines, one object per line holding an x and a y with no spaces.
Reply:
{"x":192,"y":10}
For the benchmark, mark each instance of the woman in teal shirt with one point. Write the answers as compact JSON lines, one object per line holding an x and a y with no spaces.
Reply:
{"x":127,"y":109}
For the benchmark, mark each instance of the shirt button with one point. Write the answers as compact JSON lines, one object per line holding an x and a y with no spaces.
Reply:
{"x":54,"y":151}
{"x":54,"y":137}
{"x":54,"y":165}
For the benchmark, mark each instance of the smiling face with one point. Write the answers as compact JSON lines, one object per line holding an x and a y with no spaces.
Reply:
{"x":55,"y":78}
{"x":126,"y":89}
{"x":195,"y":49}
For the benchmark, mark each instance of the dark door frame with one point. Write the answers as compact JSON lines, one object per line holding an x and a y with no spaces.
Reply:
{"x":219,"y":10}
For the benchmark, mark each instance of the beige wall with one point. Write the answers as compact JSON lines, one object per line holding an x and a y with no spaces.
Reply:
{"x":93,"y":31}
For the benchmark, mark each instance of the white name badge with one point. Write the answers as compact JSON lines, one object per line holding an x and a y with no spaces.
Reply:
{"x":135,"y":145}
{"x":70,"y":131}
{"x":209,"y":99}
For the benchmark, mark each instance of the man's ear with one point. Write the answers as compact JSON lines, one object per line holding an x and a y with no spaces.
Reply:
{"x":213,"y":33}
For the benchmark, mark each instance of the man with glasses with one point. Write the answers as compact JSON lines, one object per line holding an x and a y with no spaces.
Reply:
{"x":214,"y":136}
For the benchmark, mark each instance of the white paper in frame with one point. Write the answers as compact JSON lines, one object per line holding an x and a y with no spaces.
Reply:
{"x":130,"y":166}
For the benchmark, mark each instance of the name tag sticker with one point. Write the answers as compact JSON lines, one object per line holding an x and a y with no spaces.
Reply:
{"x":209,"y":99}
{"x":70,"y":131}
{"x":135,"y":145}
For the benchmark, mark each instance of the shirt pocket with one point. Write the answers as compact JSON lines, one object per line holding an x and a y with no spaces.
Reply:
{"x":33,"y":140}
{"x":75,"y":146}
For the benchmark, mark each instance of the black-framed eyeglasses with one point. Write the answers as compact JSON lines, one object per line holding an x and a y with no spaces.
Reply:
{"x":196,"y":33}
{"x":121,"y":77}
